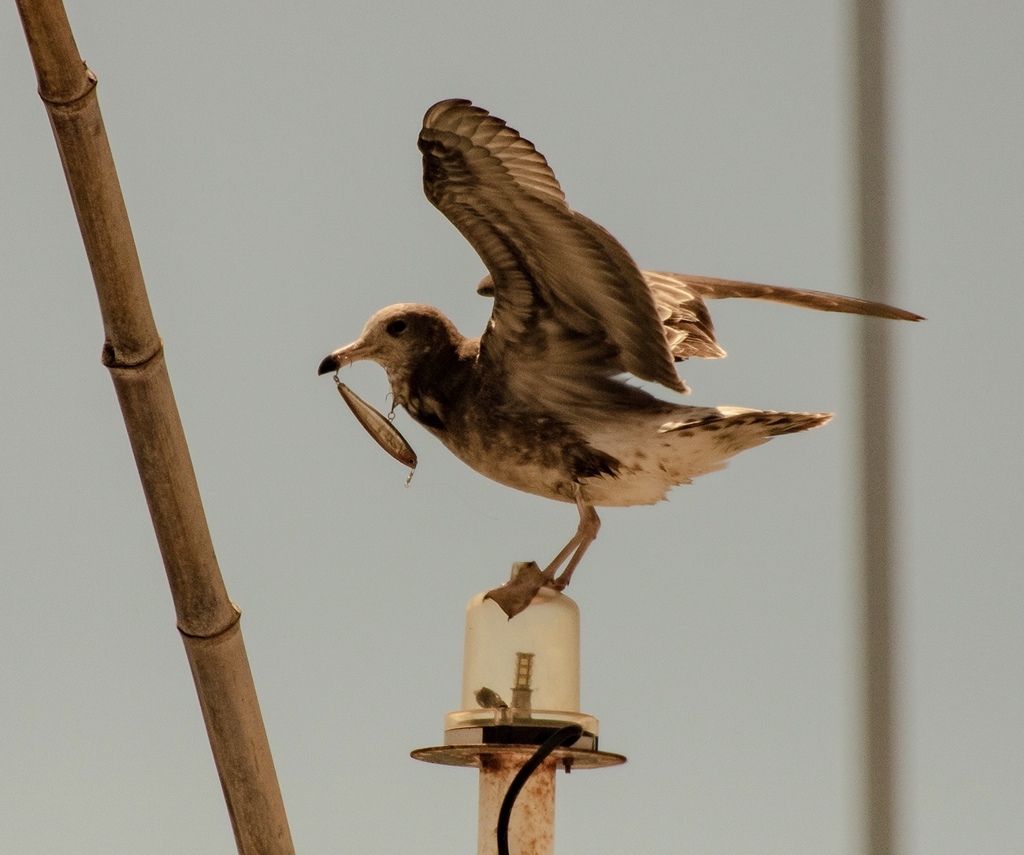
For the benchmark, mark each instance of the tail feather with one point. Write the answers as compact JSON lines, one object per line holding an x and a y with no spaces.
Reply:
{"x":772,"y":423}
{"x":694,"y":442}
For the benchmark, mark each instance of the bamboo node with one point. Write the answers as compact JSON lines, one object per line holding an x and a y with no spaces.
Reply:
{"x":232,"y":625}
{"x":91,"y":80}
{"x":110,"y":358}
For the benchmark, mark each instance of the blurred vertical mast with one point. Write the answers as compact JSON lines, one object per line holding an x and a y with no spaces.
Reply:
{"x":876,"y":453}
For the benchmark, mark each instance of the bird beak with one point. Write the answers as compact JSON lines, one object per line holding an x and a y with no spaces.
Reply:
{"x":344,"y":356}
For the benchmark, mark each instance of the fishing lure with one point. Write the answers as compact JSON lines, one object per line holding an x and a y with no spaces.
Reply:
{"x":377,"y":425}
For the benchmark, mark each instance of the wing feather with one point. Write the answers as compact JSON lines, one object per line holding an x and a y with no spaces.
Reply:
{"x":679,"y":298}
{"x":686,"y":320}
{"x":558,"y":276}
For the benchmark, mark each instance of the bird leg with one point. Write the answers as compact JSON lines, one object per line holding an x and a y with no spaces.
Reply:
{"x":527,"y":579}
{"x":589,"y":525}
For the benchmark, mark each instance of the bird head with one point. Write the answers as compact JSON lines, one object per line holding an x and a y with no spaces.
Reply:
{"x":397,"y":338}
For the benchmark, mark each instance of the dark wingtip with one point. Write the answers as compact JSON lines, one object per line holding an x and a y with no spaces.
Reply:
{"x":893,"y":313}
{"x":329,"y":365}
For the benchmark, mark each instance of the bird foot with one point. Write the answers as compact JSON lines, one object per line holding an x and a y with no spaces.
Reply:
{"x":558,"y":584}
{"x":518,"y":592}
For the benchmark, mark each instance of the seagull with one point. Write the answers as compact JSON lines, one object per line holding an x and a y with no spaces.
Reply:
{"x":543,"y":400}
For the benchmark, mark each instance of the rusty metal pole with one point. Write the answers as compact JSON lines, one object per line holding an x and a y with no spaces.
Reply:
{"x":133,"y":352}
{"x":531,"y":829}
{"x":878,"y":536}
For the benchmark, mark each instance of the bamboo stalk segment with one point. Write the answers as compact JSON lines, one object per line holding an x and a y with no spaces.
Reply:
{"x":227,"y":696}
{"x":207,"y":619}
{"x":165,"y":467}
{"x":68,"y":89}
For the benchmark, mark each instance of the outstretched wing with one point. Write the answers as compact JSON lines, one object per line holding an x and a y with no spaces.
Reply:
{"x":686,"y":320}
{"x":679,"y":299}
{"x":569,"y":302}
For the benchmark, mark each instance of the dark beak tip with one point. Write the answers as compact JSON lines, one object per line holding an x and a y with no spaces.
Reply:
{"x":329,"y":365}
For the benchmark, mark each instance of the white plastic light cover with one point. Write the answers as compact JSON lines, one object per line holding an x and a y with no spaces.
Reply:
{"x":524,"y":671}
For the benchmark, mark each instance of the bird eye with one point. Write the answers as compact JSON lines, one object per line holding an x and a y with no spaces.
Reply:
{"x":395,"y":328}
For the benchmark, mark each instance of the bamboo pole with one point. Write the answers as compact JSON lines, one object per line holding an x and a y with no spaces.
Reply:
{"x":878,"y":531}
{"x":207,"y":620}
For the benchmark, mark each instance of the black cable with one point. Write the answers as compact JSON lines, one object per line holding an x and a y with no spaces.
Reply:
{"x":563,"y":736}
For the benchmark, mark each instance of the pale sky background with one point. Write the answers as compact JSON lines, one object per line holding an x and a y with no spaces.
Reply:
{"x":267,"y":154}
